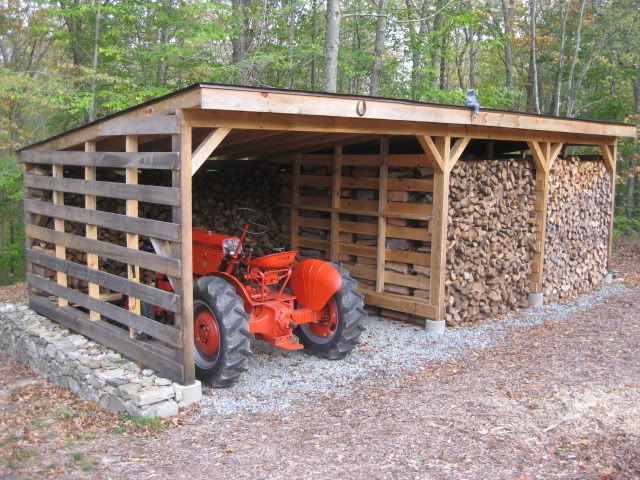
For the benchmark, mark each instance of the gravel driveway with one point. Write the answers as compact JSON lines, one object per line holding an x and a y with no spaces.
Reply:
{"x":548,"y":393}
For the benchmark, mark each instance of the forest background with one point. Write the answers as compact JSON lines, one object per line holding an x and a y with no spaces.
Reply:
{"x":68,"y":62}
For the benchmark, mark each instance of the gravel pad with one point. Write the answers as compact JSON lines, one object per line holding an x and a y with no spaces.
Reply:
{"x":277,"y":379}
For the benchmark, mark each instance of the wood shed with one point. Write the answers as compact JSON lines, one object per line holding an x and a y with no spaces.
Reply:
{"x":441,"y":214}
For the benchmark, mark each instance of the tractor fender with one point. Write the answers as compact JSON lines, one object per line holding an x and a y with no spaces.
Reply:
{"x":314,"y":282}
{"x":240,"y":289}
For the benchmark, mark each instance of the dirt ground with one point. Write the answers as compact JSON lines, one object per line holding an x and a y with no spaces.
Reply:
{"x":556,"y":400}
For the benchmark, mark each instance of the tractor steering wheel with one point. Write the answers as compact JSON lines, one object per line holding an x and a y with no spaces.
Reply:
{"x":248,"y":216}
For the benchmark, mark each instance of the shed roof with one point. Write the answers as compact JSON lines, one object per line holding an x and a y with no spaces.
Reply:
{"x":257,"y":107}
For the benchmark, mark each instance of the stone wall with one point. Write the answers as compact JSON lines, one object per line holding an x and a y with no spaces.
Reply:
{"x":491,"y":232}
{"x":579,"y":212}
{"x":88,"y":369}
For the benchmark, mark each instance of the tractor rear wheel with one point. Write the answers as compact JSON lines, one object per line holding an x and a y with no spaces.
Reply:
{"x":339,"y":332}
{"x":221,"y":332}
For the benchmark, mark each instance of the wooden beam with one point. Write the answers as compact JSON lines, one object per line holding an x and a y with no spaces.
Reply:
{"x":133,"y":240}
{"x":610,"y":157}
{"x":184,"y":214}
{"x":295,"y":200}
{"x":58,"y":225}
{"x":382,"y":207}
{"x":335,"y":202}
{"x":430,"y":149}
{"x":91,"y":230}
{"x":142,"y":193}
{"x":143,"y":160}
{"x":457,"y":150}
{"x":207,"y":147}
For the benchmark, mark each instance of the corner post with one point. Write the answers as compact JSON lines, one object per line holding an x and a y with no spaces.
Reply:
{"x":610,"y":157}
{"x":183,"y":251}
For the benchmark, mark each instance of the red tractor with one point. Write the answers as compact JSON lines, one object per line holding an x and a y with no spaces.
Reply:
{"x":312,"y":304}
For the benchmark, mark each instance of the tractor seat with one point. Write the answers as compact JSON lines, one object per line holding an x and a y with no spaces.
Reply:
{"x":274,"y":260}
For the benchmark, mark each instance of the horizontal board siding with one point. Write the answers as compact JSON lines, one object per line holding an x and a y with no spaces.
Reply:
{"x":156,"y":125}
{"x":123,"y":223}
{"x":143,"y":160}
{"x":150,"y":261}
{"x":413,"y":281}
{"x":142,"y":193}
{"x":152,"y":356}
{"x":154,"y":296}
{"x":399,"y":303}
{"x":157,"y":330}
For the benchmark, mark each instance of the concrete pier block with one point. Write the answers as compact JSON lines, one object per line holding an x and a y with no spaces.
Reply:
{"x":435,"y":326}
{"x":536,"y":299}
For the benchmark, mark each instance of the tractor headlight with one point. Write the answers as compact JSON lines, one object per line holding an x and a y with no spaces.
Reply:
{"x":230,"y":245}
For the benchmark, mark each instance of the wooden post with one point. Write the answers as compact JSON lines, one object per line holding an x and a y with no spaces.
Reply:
{"x":91,"y":230}
{"x":295,"y":200}
{"x":443,"y":156}
{"x":544,"y":155}
{"x":182,"y":215}
{"x":133,"y":271}
{"x":382,"y":207}
{"x":58,"y":225}
{"x":335,"y":203}
{"x":610,"y":158}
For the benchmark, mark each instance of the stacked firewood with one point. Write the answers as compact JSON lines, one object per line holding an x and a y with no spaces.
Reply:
{"x":579,"y":212}
{"x":491,"y":233}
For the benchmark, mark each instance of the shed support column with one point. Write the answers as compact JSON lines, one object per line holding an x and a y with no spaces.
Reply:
{"x":381,"y":264}
{"x":133,"y":271}
{"x":336,"y":181}
{"x":58,"y":225}
{"x":610,"y":157}
{"x":182,"y":215}
{"x":544,"y":155}
{"x":444,"y":156}
{"x":295,"y":200}
{"x":91,"y":230}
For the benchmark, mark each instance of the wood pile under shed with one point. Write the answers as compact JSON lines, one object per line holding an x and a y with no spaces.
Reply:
{"x":491,"y":233}
{"x":578,"y":219}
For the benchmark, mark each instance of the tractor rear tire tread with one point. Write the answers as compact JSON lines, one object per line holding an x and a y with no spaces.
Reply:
{"x":352,"y":317}
{"x":233,"y":322}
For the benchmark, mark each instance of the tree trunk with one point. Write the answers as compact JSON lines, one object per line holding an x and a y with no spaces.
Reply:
{"x":291,"y":42}
{"x":331,"y":46}
{"x":378,"y":51}
{"x":238,"y":41}
{"x":571,"y":93}
{"x":507,"y":13}
{"x":533,"y":100}
{"x":94,"y":63}
{"x":555,"y":103}
{"x":161,"y":71}
{"x":468,"y":35}
{"x":632,"y":179}
{"x":314,"y":9}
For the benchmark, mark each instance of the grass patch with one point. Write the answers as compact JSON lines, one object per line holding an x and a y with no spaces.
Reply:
{"x":119,"y":430}
{"x":148,"y":422}
{"x":37,"y":423}
{"x":88,"y":436}
{"x":64,"y":412}
{"x":83,"y":461}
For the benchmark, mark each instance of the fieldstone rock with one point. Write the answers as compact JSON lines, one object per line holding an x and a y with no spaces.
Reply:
{"x":151,"y":395}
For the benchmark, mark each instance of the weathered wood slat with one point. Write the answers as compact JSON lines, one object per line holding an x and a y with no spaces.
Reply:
{"x":123,"y":223}
{"x":150,"y":261}
{"x":350,"y":211}
{"x":368,"y":272}
{"x":156,"y":125}
{"x":165,"y":333}
{"x":313,"y":243}
{"x":405,"y":256}
{"x":148,"y":294}
{"x":422,"y":209}
{"x":411,"y":160}
{"x":408,"y":233}
{"x":142,"y":193}
{"x":411,"y":184}
{"x":399,"y":303}
{"x":152,"y":356}
{"x":143,"y":160}
{"x":413,"y":281}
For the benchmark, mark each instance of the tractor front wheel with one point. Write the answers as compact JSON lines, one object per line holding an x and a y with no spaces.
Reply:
{"x":221,"y":332}
{"x":343,"y":321}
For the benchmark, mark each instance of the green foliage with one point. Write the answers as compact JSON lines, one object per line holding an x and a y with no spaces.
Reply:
{"x":12,"y":257}
{"x":625,"y":226}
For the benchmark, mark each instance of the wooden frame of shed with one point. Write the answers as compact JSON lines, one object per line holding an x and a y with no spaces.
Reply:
{"x":179,"y":132}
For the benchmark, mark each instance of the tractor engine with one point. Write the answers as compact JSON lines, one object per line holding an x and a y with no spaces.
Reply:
{"x":211,"y":250}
